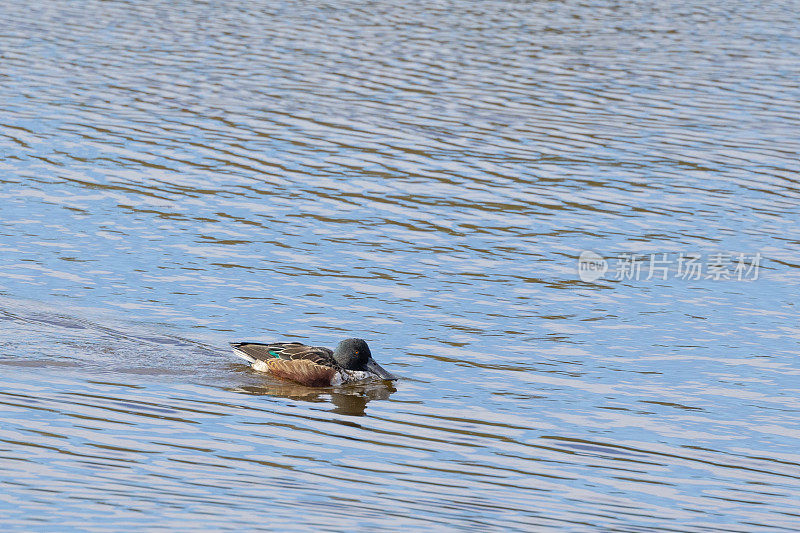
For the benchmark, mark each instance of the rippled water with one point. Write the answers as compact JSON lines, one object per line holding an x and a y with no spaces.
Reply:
{"x":178,"y":175}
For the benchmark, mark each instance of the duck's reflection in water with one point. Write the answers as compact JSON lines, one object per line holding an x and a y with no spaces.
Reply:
{"x":351,"y":400}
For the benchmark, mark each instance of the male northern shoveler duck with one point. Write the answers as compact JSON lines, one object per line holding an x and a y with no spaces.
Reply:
{"x":313,"y":366}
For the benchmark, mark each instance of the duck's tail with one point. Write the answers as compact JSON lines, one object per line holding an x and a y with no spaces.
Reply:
{"x":241,"y":353}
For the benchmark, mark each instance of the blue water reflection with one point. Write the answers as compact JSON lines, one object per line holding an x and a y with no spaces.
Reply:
{"x":177,"y":176}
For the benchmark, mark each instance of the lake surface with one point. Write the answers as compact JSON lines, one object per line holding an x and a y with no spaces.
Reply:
{"x":175,"y":176}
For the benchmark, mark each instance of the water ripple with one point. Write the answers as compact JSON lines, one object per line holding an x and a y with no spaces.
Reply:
{"x":175,"y":176}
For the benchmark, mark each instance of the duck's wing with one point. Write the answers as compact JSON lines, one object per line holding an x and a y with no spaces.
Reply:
{"x":288,"y":351}
{"x":313,"y":366}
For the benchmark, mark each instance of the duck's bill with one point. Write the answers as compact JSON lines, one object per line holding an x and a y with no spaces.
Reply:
{"x":379,"y":371}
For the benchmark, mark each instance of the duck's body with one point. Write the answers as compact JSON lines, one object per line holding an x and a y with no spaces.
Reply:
{"x":313,"y":366}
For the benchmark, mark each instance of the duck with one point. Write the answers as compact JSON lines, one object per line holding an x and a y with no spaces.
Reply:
{"x":314,"y":366}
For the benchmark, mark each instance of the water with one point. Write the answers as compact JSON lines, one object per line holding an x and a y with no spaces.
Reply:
{"x":175,"y":176}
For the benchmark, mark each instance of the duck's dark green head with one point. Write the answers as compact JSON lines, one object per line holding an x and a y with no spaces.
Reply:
{"x":354,"y":354}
